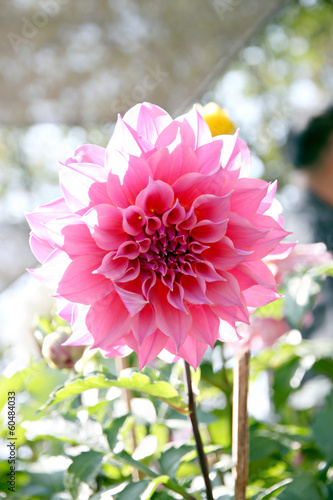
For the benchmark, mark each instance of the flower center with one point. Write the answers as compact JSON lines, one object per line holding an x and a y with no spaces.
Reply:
{"x":171,"y":251}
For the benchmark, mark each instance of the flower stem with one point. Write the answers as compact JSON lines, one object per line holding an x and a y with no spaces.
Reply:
{"x":196,"y":432}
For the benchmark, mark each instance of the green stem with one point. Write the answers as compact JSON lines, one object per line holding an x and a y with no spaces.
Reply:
{"x":196,"y":432}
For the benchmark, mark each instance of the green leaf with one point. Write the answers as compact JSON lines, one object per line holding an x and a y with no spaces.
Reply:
{"x":113,"y":429}
{"x":133,"y":490}
{"x":137,"y":382}
{"x":84,"y":468}
{"x":16,"y":382}
{"x":304,"y":487}
{"x":171,"y":459}
{"x":322,"y":428}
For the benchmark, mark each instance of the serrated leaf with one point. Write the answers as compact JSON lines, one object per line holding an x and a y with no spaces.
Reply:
{"x":84,"y":469}
{"x":137,"y":382}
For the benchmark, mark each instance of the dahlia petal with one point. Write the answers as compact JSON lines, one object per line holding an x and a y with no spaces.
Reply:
{"x":45,"y":213}
{"x":228,"y":332}
{"x":143,"y":324}
{"x":171,"y":321}
{"x":133,"y":220}
{"x":207,"y":231}
{"x":254,"y":273}
{"x":205,"y":327}
{"x":67,"y":310}
{"x":207,"y":271}
{"x":189,"y":186}
{"x":148,"y":119}
{"x":208,"y":157}
{"x":40,"y":248}
{"x":76,"y":180}
{"x":136,"y":177}
{"x":148,"y":282}
{"x":156,"y":197}
{"x":117,"y":350}
{"x":194,"y":290}
{"x":106,"y":226}
{"x":88,"y":153}
{"x":243,"y":233}
{"x":131,"y":273}
{"x":126,"y":139}
{"x":79,"y":284}
{"x":268,"y":200}
{"x":230,"y":151}
{"x":176,"y":297}
{"x":223,"y":254}
{"x":52,"y":269}
{"x":274,"y":234}
{"x":150,"y":348}
{"x":211,"y":207}
{"x":174,"y":215}
{"x":115,"y":191}
{"x":232,"y":313}
{"x":133,"y":301}
{"x":257,"y":296}
{"x":247,"y":196}
{"x":226,"y":292}
{"x":76,"y":239}
{"x":196,"y":123}
{"x":191,"y":350}
{"x":109,"y":320}
{"x":79,"y":338}
{"x":112,"y":268}
{"x":129,"y":249}
{"x":281,"y":251}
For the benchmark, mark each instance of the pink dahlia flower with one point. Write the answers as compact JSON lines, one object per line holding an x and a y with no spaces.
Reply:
{"x":158,"y":241}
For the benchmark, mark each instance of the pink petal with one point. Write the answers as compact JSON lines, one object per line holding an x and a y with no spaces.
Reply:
{"x":191,"y":350}
{"x":224,"y":255}
{"x":205,"y":327}
{"x":52,"y":270}
{"x":243,"y":233}
{"x":257,"y":296}
{"x":76,"y":180}
{"x":136,"y":177}
{"x":174,"y":215}
{"x":211,"y":207}
{"x":143,"y":323}
{"x":79,"y":284}
{"x":207,"y":231}
{"x":208,"y":157}
{"x":41,"y":248}
{"x":109,"y":320}
{"x":207,"y":271}
{"x":133,"y":301}
{"x":77,"y":239}
{"x":247,"y":196}
{"x":176,"y":297}
{"x":133,"y":220}
{"x":188,"y":187}
{"x":44,"y":214}
{"x":225,"y":293}
{"x":88,"y":153}
{"x":232,"y":313}
{"x":194,"y":290}
{"x":150,"y":348}
{"x":115,"y":191}
{"x":106,"y":226}
{"x":148,"y":119}
{"x":127,"y":140}
{"x":112,"y":268}
{"x":274,"y":234}
{"x":200,"y":132}
{"x":228,"y":332}
{"x":173,"y":322}
{"x":156,"y":197}
{"x":254,"y":273}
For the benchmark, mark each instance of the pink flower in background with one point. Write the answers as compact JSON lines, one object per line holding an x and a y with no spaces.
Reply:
{"x":157,"y":244}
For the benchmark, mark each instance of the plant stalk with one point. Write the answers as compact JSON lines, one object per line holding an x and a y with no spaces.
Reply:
{"x":196,"y":433}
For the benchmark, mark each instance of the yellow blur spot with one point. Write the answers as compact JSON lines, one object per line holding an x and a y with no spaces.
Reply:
{"x":216,"y":118}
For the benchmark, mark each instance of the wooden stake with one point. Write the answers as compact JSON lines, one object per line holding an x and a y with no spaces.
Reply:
{"x":240,"y":432}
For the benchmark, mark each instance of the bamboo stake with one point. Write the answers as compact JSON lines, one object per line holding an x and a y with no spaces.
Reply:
{"x":240,"y":432}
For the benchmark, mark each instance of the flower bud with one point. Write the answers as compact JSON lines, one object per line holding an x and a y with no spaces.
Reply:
{"x":216,"y":118}
{"x":58,"y":355}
